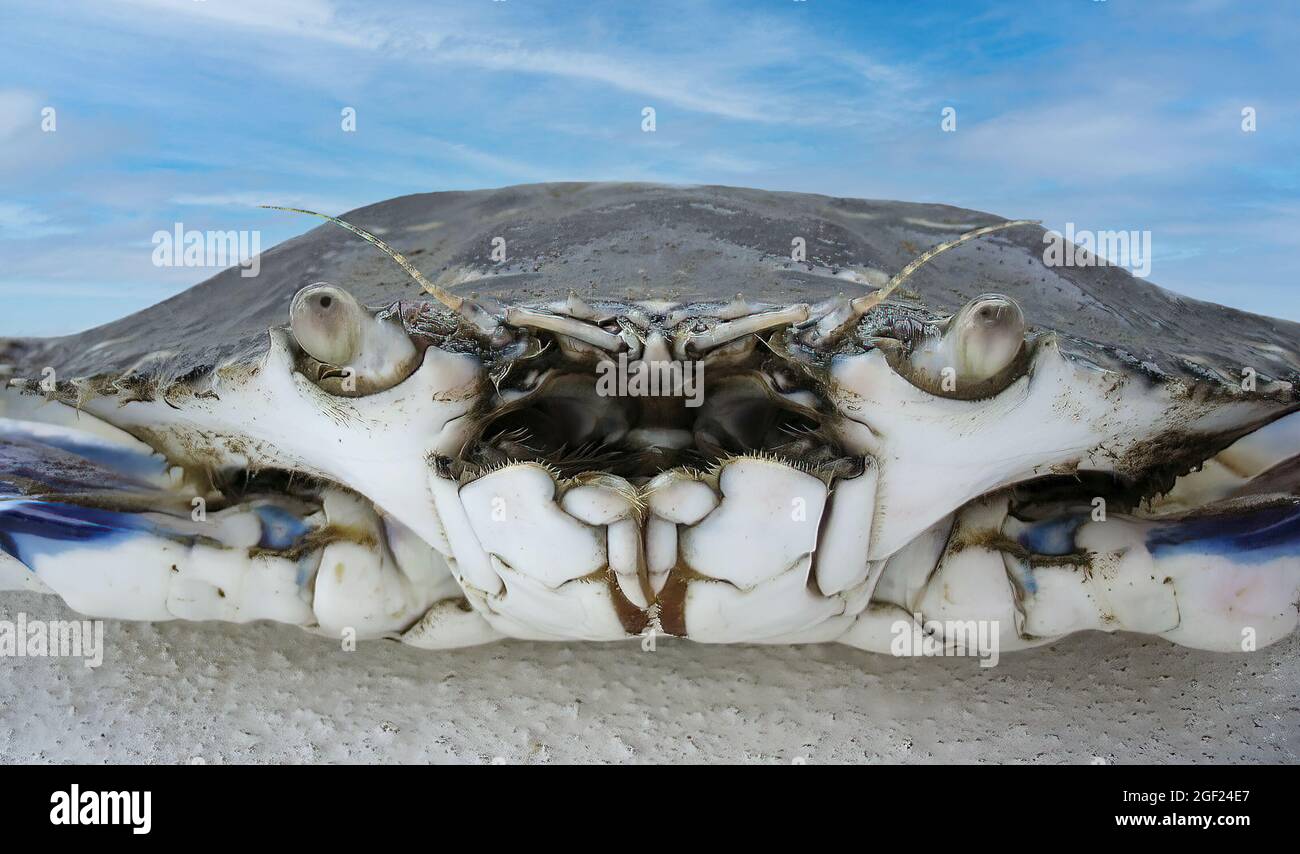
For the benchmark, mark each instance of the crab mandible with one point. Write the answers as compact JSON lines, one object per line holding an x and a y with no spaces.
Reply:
{"x":579,"y":430}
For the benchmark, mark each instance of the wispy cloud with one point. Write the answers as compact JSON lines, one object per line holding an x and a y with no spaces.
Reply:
{"x":250,"y":200}
{"x":509,"y":166}
{"x":696,"y":76}
{"x":315,"y":20}
{"x":1108,"y":115}
{"x":659,"y":83}
{"x":19,"y":111}
{"x":20,"y":222}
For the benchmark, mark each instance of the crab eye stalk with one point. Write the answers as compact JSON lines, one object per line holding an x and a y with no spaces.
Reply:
{"x":359,"y":352}
{"x":975,"y":353}
{"x":986,"y":336}
{"x":326,"y":322}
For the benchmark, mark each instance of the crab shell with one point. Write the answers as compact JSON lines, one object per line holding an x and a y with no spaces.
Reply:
{"x":608,"y":440}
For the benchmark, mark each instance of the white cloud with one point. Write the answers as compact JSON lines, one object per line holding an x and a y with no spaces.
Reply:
{"x":308,"y":19}
{"x":494,"y":162}
{"x":660,"y":85}
{"x":723,"y":162}
{"x":1095,"y":139}
{"x":249,"y":199}
{"x":710,"y":80}
{"x":21,"y":222}
{"x":19,"y":110}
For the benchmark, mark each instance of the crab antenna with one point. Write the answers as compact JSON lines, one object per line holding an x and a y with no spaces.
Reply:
{"x":864,"y":304}
{"x":442,"y":295}
{"x":844,"y":314}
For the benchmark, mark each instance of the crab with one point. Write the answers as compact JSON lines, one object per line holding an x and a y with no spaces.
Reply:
{"x":605,"y":411}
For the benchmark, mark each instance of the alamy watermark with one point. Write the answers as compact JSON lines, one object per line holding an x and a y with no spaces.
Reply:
{"x":975,"y":638}
{"x":658,"y":378}
{"x":193,"y":248}
{"x":133,"y":809}
{"x":24,"y":638}
{"x":1079,"y":248}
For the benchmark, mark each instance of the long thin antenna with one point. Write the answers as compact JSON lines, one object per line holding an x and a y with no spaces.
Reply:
{"x":866,"y":303}
{"x":442,"y":295}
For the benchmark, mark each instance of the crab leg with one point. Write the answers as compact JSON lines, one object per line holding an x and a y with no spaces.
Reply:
{"x":1224,"y":580}
{"x":157,"y":567}
{"x":108,"y":526}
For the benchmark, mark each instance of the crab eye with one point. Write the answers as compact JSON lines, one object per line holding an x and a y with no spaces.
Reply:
{"x":359,"y":352}
{"x":326,"y":322}
{"x":970,"y":355}
{"x":989,"y":333}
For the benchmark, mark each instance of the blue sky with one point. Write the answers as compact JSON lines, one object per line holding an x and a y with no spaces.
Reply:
{"x":1111,"y":114}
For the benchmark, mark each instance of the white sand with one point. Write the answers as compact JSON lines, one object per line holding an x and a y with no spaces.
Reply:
{"x":266,"y":693}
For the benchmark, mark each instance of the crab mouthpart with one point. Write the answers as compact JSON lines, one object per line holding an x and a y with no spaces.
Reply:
{"x":577,"y":421}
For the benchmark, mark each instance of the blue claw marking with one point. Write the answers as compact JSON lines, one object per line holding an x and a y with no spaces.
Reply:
{"x":1053,"y":536}
{"x":32,"y":528}
{"x":281,"y":529}
{"x":130,"y":463}
{"x":1248,"y":536}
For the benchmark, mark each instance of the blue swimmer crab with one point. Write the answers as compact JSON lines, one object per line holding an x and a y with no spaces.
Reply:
{"x":443,"y":423}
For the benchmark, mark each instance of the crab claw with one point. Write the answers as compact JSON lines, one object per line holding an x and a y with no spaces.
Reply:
{"x":335,"y":567}
{"x":100,"y":520}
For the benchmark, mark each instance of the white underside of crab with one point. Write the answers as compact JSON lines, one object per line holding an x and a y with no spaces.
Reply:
{"x":757,"y":550}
